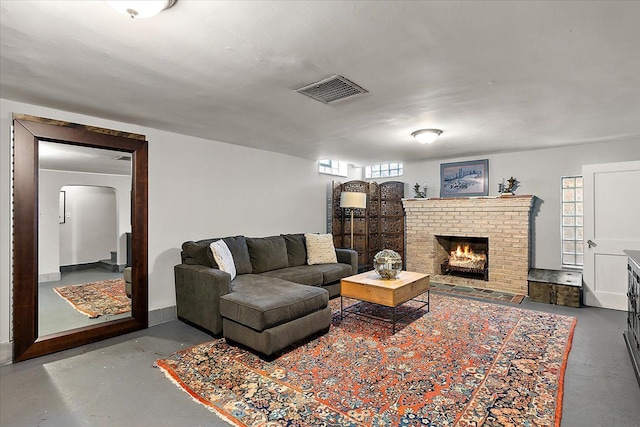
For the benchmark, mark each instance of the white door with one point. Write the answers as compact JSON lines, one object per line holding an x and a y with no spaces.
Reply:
{"x":611,"y":225}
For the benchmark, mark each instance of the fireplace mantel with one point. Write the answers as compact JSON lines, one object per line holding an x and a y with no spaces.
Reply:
{"x":471,"y":200}
{"x":504,"y":220}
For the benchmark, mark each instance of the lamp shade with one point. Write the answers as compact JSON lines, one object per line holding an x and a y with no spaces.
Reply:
{"x":350,"y":199}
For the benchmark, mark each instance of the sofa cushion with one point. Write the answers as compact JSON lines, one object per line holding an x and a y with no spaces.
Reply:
{"x":262,"y":302}
{"x":320,"y":249}
{"x":200,"y":253}
{"x":267,"y":253}
{"x":197,"y":252}
{"x":240,"y":252}
{"x":303,"y":274}
{"x":332,"y":272}
{"x":223,"y":257}
{"x":296,"y":249}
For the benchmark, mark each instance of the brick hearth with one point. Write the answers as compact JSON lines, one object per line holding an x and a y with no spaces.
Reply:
{"x":505,"y":221}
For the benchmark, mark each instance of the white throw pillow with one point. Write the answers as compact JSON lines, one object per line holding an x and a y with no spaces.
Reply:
{"x":320,"y":249}
{"x":223,"y":257}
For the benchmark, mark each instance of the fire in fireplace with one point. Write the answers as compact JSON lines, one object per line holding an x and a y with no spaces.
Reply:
{"x":465,"y":256}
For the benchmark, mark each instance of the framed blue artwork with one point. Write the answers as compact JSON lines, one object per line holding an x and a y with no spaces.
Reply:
{"x":464,"y":179}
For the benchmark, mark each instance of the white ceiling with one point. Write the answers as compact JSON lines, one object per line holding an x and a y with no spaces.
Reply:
{"x":73,"y":158}
{"x":494,"y":76}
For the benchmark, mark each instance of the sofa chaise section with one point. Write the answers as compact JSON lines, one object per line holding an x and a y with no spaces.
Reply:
{"x":268,"y":314}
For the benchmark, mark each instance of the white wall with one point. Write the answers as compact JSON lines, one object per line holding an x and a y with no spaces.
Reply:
{"x":200,"y":189}
{"x":50,"y":184}
{"x":90,"y":231}
{"x":197,"y":189}
{"x":539,"y":173}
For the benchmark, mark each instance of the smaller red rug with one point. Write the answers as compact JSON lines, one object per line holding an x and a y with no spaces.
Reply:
{"x":97,"y":298}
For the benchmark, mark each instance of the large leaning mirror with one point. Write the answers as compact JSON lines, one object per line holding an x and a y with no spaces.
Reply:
{"x":80,"y":235}
{"x":84,"y":229}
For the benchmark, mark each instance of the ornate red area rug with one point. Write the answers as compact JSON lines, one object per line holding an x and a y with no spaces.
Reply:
{"x":464,"y":363}
{"x":97,"y":298}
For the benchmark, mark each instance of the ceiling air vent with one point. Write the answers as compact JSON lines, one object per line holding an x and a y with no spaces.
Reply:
{"x":334,"y":89}
{"x":124,"y":158}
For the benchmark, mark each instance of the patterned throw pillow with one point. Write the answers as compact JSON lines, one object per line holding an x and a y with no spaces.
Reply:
{"x":222,"y":255}
{"x":320,"y":249}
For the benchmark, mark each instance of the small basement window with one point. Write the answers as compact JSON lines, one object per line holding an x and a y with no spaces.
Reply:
{"x":383,"y":170}
{"x":332,"y":167}
{"x":572,"y":222}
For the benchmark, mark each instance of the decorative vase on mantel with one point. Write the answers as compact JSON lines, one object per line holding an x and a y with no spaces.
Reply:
{"x":388,"y":264}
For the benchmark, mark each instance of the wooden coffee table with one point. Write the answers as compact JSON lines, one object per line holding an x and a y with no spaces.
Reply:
{"x":371,"y":288}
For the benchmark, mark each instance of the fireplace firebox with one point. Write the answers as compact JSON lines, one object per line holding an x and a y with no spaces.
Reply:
{"x":464,"y":256}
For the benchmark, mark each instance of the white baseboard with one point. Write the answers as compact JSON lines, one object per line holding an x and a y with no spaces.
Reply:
{"x":49,"y":277}
{"x":6,"y":353}
{"x":163,"y":315}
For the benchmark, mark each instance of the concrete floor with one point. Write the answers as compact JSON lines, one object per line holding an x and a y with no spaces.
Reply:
{"x":55,"y":314}
{"x":114,"y":383}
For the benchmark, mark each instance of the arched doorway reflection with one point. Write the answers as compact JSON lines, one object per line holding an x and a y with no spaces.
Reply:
{"x":88,"y":259}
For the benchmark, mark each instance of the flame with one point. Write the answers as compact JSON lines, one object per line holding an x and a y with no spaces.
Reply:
{"x":463,"y":256}
{"x":464,"y":251}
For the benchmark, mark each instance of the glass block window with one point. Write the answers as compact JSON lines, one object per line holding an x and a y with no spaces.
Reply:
{"x":332,"y":167}
{"x":572,"y":225}
{"x":383,"y":170}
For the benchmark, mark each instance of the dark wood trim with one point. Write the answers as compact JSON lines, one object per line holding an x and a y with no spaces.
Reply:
{"x":27,"y":133}
{"x":79,"y":136}
{"x":35,"y":119}
{"x":25,"y":240}
{"x":139,"y":235}
{"x":80,"y":336}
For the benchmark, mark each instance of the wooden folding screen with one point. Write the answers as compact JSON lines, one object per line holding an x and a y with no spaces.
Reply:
{"x":379,"y":226}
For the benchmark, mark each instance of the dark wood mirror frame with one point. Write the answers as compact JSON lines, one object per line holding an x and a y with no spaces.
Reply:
{"x":27,"y":132}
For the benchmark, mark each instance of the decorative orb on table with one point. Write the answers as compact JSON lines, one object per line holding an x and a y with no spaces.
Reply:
{"x":387,"y":263}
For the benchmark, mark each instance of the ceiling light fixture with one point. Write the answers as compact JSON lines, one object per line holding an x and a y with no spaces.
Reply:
{"x":142,"y":8}
{"x":426,"y":136}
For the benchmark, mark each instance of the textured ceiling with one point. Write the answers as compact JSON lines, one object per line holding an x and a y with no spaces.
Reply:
{"x":494,"y":76}
{"x":65,"y":157}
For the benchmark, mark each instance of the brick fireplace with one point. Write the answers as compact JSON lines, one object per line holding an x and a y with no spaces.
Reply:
{"x":502,"y":221}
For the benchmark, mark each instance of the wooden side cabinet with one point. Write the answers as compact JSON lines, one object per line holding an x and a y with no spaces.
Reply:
{"x":632,"y":334}
{"x":555,"y":287}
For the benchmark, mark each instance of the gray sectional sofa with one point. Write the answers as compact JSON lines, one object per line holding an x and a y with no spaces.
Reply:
{"x":275,"y":300}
